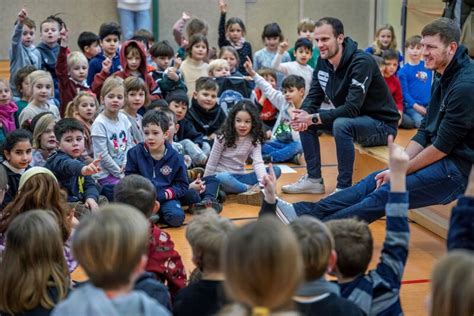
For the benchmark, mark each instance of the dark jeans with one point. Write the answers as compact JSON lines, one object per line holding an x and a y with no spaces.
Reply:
{"x":438,"y":183}
{"x":210,"y":193}
{"x":362,"y":129}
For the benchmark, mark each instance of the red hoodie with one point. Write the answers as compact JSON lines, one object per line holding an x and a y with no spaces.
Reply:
{"x":395,"y":88}
{"x":125,"y":73}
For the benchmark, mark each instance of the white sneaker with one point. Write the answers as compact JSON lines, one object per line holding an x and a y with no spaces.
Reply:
{"x":305,"y":185}
{"x":335,"y":191}
{"x":285,"y":211}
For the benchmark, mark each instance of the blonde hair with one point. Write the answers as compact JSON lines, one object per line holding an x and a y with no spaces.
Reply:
{"x":38,"y":75}
{"x":263,"y":265}
{"x":75,"y":58}
{"x":109,"y":244}
{"x":306,"y":24}
{"x":217,"y":63}
{"x":32,"y":263}
{"x":316,"y":243}
{"x":40,"y":127}
{"x":207,"y":234}
{"x":452,"y":285}
{"x":73,"y":106}
{"x":377,"y":46}
{"x":136,"y":84}
{"x":110,"y":84}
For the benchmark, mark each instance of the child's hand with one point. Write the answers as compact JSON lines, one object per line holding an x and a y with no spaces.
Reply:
{"x":268,"y":134}
{"x":283,"y":47}
{"x":419,"y":108}
{"x":249,"y":67}
{"x":63,"y":35}
{"x":212,"y":136}
{"x":92,"y":205}
{"x":172,"y":75}
{"x":22,"y":15}
{"x":398,"y":159}
{"x":222,"y":6}
{"x":177,"y":61}
{"x":185,"y":16}
{"x":198,"y":185}
{"x":106,"y":65}
{"x":92,"y":168}
{"x":269,"y":185}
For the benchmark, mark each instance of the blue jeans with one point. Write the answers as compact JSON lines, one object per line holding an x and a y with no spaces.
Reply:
{"x":438,"y":183}
{"x":362,"y":129}
{"x":415,"y":116}
{"x":210,"y":193}
{"x":172,"y":213}
{"x":281,"y":151}
{"x":239,"y":182}
{"x":132,"y":21}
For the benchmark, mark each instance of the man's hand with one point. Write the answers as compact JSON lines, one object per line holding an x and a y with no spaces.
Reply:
{"x":249,"y":67}
{"x":283,"y":47}
{"x":269,"y":185}
{"x":91,"y":204}
{"x":301,"y":120}
{"x":92,"y":168}
{"x":419,"y":108}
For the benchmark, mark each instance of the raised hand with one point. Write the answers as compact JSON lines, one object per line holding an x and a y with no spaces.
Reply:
{"x":106,"y":65}
{"x":222,"y":6}
{"x":185,"y":16}
{"x":63,"y":35}
{"x":22,"y":15}
{"x":269,"y":185}
{"x":249,"y":67}
{"x":283,"y":47}
{"x":92,"y":168}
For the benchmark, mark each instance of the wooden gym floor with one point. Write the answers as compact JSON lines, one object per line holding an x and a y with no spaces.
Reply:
{"x":425,"y":247}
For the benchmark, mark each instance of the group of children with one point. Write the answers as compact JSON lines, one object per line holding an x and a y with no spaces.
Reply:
{"x":136,"y":124}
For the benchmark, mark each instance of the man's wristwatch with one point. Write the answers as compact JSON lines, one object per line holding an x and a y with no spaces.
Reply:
{"x":315,"y":118}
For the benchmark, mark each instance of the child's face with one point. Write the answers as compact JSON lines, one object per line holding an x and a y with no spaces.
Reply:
{"x":92,"y":50}
{"x":72,"y":143}
{"x":179,"y":109}
{"x":243,"y":123}
{"x":221,"y":71}
{"x":199,"y":51}
{"x":390,"y":67}
{"x":234,"y":33}
{"x":20,"y":155}
{"x":5,"y":93}
{"x":47,"y":139}
{"x":133,"y":61}
{"x":206,"y":99}
{"x":50,"y":33}
{"x":42,"y":90}
{"x":414,"y":52}
{"x":113,"y":101}
{"x":135,"y":99}
{"x":27,"y":36}
{"x":306,"y":34}
{"x":173,"y":128}
{"x":87,"y":108}
{"x":270,"y":80}
{"x":230,"y":58}
{"x":302,"y":55}
{"x":154,"y":137}
{"x":272,"y":42}
{"x":162,"y":62}
{"x":293,"y":95}
{"x":78,"y":71}
{"x":110,"y":44}
{"x":385,"y":38}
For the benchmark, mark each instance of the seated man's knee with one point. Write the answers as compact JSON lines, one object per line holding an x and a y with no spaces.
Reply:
{"x":342,"y":125}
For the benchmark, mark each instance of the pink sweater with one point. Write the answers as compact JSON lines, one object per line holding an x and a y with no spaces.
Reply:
{"x":232,"y":159}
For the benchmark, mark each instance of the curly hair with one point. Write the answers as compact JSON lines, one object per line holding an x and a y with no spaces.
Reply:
{"x":228,"y":133}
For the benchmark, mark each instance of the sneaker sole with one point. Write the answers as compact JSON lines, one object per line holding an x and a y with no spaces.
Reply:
{"x":305,"y":191}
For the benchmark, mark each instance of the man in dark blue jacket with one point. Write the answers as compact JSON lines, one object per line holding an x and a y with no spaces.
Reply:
{"x":364,"y":108}
{"x":441,"y":153}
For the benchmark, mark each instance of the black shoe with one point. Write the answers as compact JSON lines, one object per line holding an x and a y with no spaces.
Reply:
{"x":205,"y":204}
{"x":267,"y":158}
{"x":221,"y":196}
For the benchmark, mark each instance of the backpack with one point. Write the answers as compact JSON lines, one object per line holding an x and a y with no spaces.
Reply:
{"x":232,"y":90}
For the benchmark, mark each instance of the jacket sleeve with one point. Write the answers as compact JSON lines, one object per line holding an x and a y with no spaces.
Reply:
{"x":90,"y":188}
{"x":68,"y":167}
{"x":222,"y":41}
{"x":180,"y":183}
{"x":214,"y":157}
{"x":61,"y":64}
{"x":16,"y":42}
{"x":95,"y":66}
{"x":192,"y":134}
{"x":178,"y":31}
{"x":315,"y":97}
{"x":409,"y":101}
{"x":132,"y":165}
{"x":361,"y":78}
{"x":167,"y":85}
{"x":461,"y":225}
{"x":278,"y":65}
{"x":275,"y":96}
{"x":98,"y":81}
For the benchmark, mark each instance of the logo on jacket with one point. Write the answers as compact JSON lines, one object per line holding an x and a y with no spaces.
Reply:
{"x":323,"y":78}
{"x":422,"y":76}
{"x":165,"y":170}
{"x":359,"y":84}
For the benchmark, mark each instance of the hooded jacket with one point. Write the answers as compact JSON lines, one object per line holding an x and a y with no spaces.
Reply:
{"x":68,"y":171}
{"x":449,"y":122}
{"x":356,"y":88}
{"x":206,"y":122}
{"x":125,"y":72}
{"x":168,"y":174}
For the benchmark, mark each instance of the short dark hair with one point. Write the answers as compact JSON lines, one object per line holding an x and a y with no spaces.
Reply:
{"x":158,"y":118}
{"x":157,"y":104}
{"x":303,"y":42}
{"x":178,"y":96}
{"x":236,"y":20}
{"x":109,"y":28}
{"x":21,"y":75}
{"x":293,"y":81}
{"x":390,"y":54}
{"x":87,"y":39}
{"x":267,"y":72}
{"x":52,"y":19}
{"x":337,"y":26}
{"x":141,"y":39}
{"x":378,"y":60}
{"x":146,"y":34}
{"x":206,"y":83}
{"x":447,"y":29}
{"x":67,"y":125}
{"x":18,"y":135}
{"x":272,"y":30}
{"x":414,"y":40}
{"x":161,"y":49}
{"x":193,"y":40}
{"x":137,"y":191}
{"x":171,"y":115}
{"x":354,"y":245}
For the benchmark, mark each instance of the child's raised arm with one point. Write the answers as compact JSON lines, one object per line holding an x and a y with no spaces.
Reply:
{"x":222,"y":40}
{"x":178,"y":28}
{"x":276,"y":62}
{"x":16,"y":37}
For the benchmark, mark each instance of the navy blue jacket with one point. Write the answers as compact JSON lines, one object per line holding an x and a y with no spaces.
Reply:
{"x":168,"y":174}
{"x":95,"y":66}
{"x":188,"y":131}
{"x":461,"y":225}
{"x":68,"y":172}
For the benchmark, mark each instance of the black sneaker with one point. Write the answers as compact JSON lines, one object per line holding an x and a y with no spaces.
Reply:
{"x":221,"y":196}
{"x":267,"y":158}
{"x":205,"y":204}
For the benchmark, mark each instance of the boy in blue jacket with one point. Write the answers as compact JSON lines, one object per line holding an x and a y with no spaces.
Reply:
{"x":73,"y":174}
{"x":156,"y":160}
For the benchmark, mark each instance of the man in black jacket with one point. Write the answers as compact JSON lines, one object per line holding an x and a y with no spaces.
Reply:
{"x":441,"y":153}
{"x":364,"y":108}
